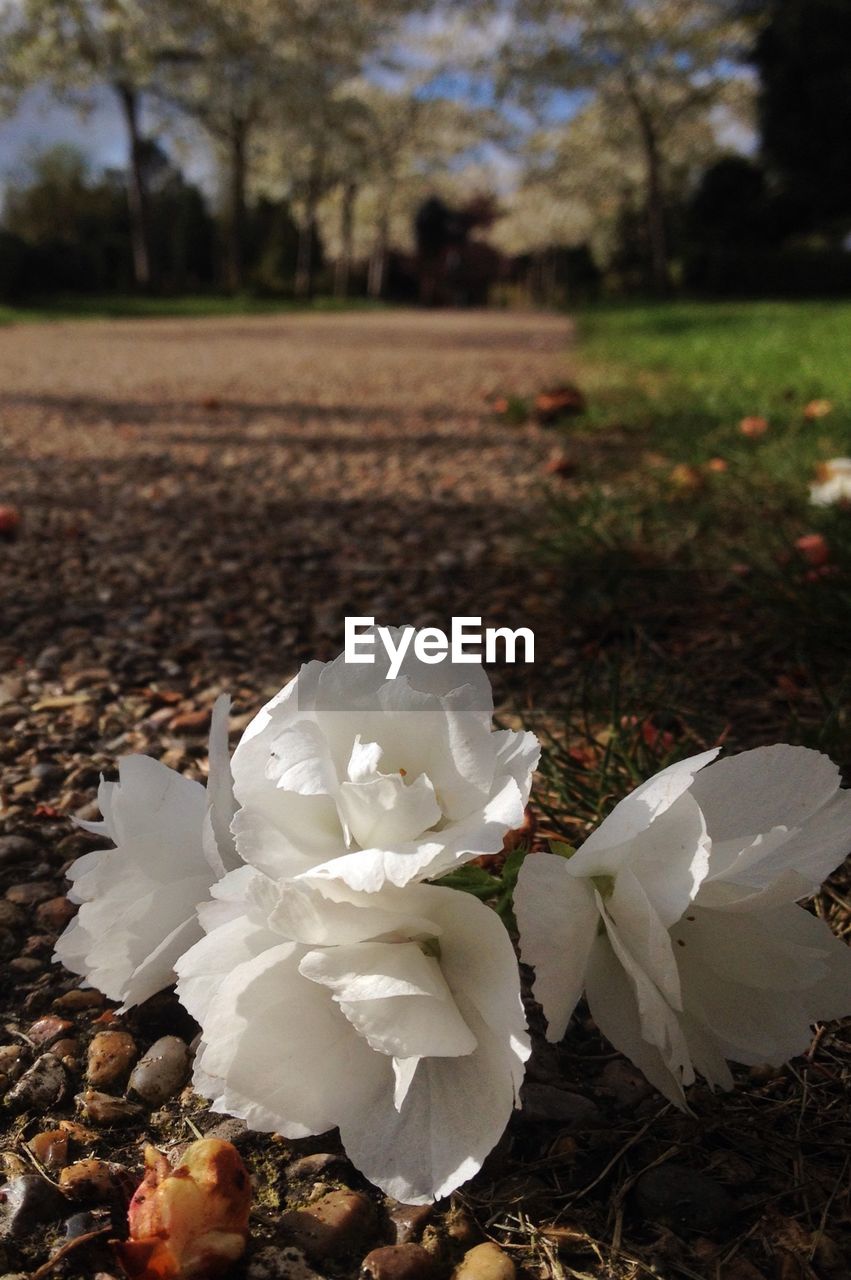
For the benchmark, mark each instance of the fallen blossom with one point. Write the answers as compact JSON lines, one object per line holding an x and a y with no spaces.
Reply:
{"x":189,"y":1222}
{"x":375,"y":779}
{"x":395,"y":1016}
{"x":814,"y":548}
{"x":677,"y":918}
{"x":138,"y":901}
{"x":817,"y":409}
{"x":832,"y":484}
{"x":753,"y":426}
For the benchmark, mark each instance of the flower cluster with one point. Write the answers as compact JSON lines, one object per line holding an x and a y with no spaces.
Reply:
{"x":333,"y":987}
{"x":337,"y":985}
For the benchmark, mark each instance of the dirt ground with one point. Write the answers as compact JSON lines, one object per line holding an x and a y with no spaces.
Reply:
{"x":203,"y":503}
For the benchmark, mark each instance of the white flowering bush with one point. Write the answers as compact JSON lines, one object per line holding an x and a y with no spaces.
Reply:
{"x":312,"y":903}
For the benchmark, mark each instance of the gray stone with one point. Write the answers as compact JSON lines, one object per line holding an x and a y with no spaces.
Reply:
{"x":103,"y":1109}
{"x":26,"y":1203}
{"x":280,"y":1264}
{"x":683,"y":1199}
{"x":17,"y":849}
{"x":162,"y":1071}
{"x":40,"y":1087}
{"x":545,"y":1103}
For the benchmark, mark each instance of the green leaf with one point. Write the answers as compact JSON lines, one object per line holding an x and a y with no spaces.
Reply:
{"x":561,"y":849}
{"x":474,"y":880}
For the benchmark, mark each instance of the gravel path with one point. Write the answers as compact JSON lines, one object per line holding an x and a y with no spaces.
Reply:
{"x":223,"y":492}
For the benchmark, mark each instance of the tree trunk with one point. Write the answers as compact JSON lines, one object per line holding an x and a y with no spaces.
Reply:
{"x":654,"y":193}
{"x":137,"y":197}
{"x":236,"y":207}
{"x":378,"y":259}
{"x":305,"y":274}
{"x":343,"y":266}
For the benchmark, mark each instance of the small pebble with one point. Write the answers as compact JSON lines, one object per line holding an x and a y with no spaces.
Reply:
{"x":27,"y":1203}
{"x":162,"y":1071}
{"x":409,"y":1219}
{"x":80,"y":1224}
{"x":42,"y":1086}
{"x":77,"y":1000}
{"x":90,"y":1181}
{"x":17,"y":849}
{"x":11,"y":915}
{"x":682,"y":1198}
{"x":625,"y":1083}
{"x":31,"y":893}
{"x":103,"y":1109}
{"x":47,"y":1029}
{"x":50,"y":1148}
{"x":67,"y":1051}
{"x":312,"y":1166}
{"x":13,"y":1165}
{"x":78,"y":1133}
{"x":546,"y":1103}
{"x":485,"y":1262}
{"x":337,"y":1224}
{"x":274,"y":1263}
{"x":54,"y":914}
{"x":110,"y":1057}
{"x":398,"y":1262}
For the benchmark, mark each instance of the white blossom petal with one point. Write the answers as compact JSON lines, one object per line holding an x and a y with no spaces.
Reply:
{"x":558,"y":920}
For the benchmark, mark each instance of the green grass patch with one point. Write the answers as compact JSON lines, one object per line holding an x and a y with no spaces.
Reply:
{"x":191,"y":306}
{"x":677,"y":537}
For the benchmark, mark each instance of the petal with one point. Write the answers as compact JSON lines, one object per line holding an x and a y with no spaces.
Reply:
{"x":203,"y":967}
{"x":756,"y":1023}
{"x":304,"y":833}
{"x":787,"y":795}
{"x":288,"y":1058}
{"x":388,"y":810}
{"x":558,"y":920}
{"x":453,"y":1114}
{"x":671,"y":858}
{"x":659,"y":1023}
{"x":637,"y":810}
{"x":395,"y":996}
{"x":612,"y":1004}
{"x":219,"y":846}
{"x":299,"y":760}
{"x":640,"y":932}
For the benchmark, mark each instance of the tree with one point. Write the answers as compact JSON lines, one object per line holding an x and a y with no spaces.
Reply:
{"x":803,"y":55}
{"x":650,"y":66}
{"x":76,"y":44}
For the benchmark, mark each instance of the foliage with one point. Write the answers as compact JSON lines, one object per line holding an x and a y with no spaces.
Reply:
{"x":803,"y":56}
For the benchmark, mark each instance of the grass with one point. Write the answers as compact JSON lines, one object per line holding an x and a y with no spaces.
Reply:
{"x":190,"y":306}
{"x":694,"y":619}
{"x":677,"y":535}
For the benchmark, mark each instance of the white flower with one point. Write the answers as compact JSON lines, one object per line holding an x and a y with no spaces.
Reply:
{"x":677,"y":917}
{"x":376,"y":779}
{"x":833,"y":483}
{"x":395,"y":1016}
{"x":139,"y":900}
